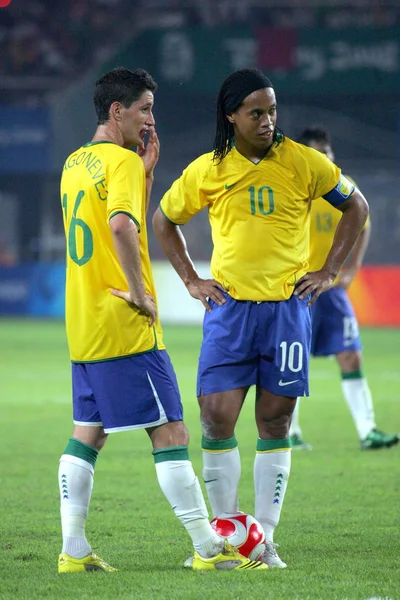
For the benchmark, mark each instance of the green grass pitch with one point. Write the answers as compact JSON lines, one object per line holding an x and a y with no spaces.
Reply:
{"x":339,"y":531}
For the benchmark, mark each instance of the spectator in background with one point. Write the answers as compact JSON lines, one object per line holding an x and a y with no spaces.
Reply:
{"x":37,"y":40}
{"x":334,"y":324}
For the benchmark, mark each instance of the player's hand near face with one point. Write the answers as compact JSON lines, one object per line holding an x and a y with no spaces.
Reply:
{"x":145,"y":303}
{"x":150,"y":152}
{"x":204,"y":289}
{"x":314,"y":283}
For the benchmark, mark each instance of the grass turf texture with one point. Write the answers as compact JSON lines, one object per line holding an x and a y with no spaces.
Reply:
{"x":340,"y":522}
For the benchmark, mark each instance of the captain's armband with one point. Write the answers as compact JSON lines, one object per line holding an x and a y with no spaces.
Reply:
{"x":341,"y":192}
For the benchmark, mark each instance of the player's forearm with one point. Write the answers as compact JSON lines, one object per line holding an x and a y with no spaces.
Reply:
{"x":355,"y":213}
{"x":360,"y":247}
{"x":174,"y":245}
{"x":126,"y":243}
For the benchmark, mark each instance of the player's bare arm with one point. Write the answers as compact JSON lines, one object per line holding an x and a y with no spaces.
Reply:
{"x":126,"y":242}
{"x":355,"y":212}
{"x":349,"y":270}
{"x":174,"y":245}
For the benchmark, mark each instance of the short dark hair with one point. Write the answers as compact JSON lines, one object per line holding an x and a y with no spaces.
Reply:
{"x":120,"y":85}
{"x":316,"y":133}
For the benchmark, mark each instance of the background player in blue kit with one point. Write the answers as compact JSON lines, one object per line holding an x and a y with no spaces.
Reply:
{"x":334,"y":324}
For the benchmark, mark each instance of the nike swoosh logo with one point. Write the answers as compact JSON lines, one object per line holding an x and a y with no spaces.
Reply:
{"x":228,"y":187}
{"x":282,"y":383}
{"x":209,"y":480}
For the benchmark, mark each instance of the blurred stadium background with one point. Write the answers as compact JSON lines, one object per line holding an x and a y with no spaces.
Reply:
{"x":332,"y":62}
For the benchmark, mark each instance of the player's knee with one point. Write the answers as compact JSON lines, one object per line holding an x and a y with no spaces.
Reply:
{"x":217,"y":429}
{"x":101,"y":440}
{"x":349,"y":361}
{"x":276,"y":427}
{"x":169,"y":434}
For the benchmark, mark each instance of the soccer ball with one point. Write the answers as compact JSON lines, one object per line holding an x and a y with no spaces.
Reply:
{"x":243,"y":531}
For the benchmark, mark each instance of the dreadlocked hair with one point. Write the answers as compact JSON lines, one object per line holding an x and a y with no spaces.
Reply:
{"x":233,"y":91}
{"x":224,"y":134}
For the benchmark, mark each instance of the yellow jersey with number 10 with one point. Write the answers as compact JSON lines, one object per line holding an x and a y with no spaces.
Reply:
{"x":98,"y":181}
{"x":259,"y":215}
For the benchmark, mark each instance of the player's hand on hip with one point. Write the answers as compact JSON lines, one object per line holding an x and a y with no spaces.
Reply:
{"x":150,"y":152}
{"x":313,"y":284}
{"x":206,"y":289}
{"x":146,"y":304}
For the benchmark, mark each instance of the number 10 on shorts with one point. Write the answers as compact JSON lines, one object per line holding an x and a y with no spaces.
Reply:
{"x":291,"y":356}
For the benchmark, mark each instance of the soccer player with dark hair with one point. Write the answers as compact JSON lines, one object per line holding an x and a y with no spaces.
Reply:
{"x":122,"y":377}
{"x":257,"y":186}
{"x":334,"y":324}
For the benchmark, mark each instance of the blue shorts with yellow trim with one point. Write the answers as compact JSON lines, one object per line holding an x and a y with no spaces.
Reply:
{"x":256,"y":343}
{"x":126,"y":393}
{"x":334,"y":324}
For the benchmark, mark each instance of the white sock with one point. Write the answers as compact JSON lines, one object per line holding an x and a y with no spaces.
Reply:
{"x":271,"y":474}
{"x":75,"y":480}
{"x":295,"y":423}
{"x":221,"y":474}
{"x":182,"y":490}
{"x":359,"y":401}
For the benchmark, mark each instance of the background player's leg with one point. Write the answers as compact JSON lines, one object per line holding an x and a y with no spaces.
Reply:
{"x":359,"y":400}
{"x":356,"y":392}
{"x":295,"y":433}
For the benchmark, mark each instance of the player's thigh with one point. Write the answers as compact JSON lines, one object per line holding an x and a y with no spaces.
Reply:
{"x":273,"y":414}
{"x":285,"y":350}
{"x":136,"y":392}
{"x":228,"y":356}
{"x":219,"y":412}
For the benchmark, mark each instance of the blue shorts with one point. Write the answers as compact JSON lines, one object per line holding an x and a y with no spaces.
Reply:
{"x":127,"y":393}
{"x":249,"y":343}
{"x":334,"y":324}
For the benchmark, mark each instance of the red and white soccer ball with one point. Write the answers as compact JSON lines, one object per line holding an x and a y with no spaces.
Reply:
{"x":243,"y":532}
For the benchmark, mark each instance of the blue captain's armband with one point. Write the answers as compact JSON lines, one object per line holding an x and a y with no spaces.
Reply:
{"x":341,"y":192}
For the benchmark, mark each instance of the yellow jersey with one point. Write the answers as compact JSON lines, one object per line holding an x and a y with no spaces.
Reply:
{"x":98,"y":181}
{"x":259,"y":215}
{"x":324,"y":221}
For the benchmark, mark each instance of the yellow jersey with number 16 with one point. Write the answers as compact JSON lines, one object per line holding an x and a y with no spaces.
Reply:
{"x":98,"y":181}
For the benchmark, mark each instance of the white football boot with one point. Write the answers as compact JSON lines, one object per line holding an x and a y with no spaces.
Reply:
{"x":270,"y":557}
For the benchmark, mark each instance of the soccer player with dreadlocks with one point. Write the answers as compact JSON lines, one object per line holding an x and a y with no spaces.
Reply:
{"x":257,"y":186}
